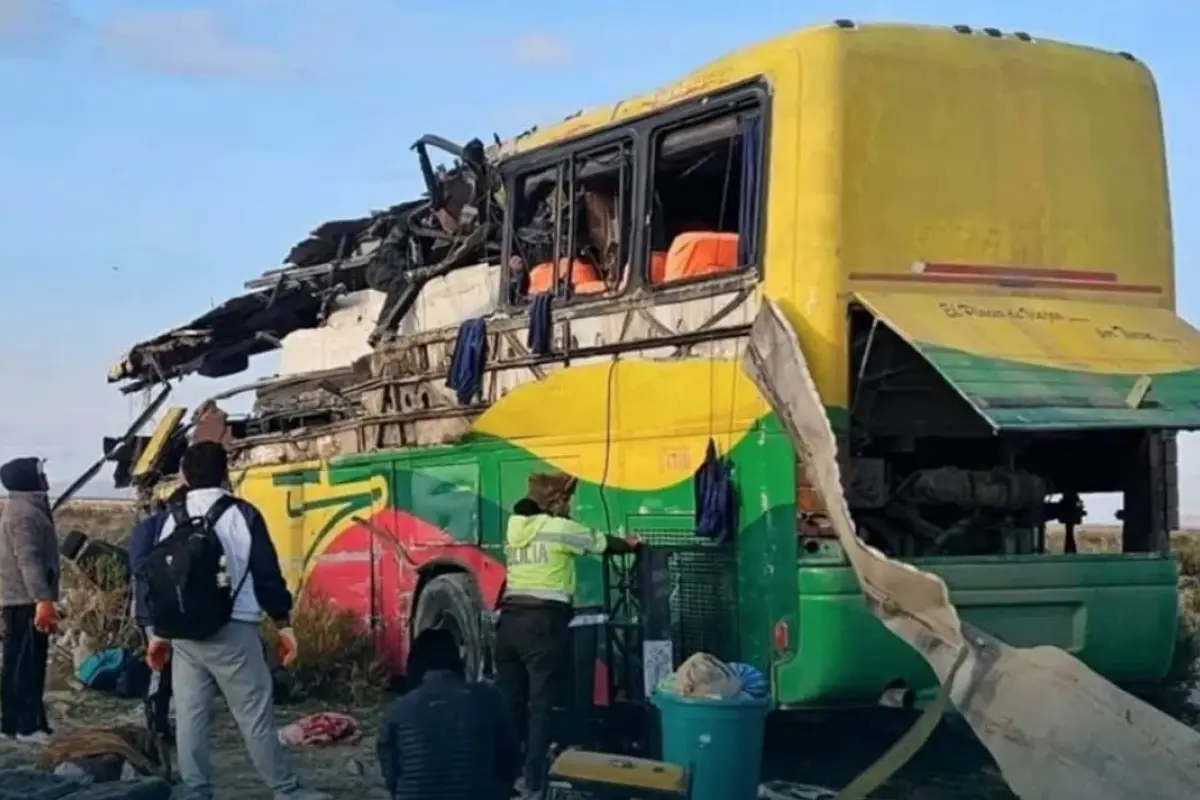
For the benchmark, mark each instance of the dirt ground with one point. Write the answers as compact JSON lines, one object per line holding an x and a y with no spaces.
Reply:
{"x":826,"y":750}
{"x":341,"y":770}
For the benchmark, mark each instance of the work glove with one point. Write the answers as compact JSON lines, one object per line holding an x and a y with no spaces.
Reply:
{"x":285,"y":646}
{"x":158,"y":653}
{"x":45,"y":617}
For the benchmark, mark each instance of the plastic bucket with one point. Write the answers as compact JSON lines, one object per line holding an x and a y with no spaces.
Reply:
{"x":719,"y":741}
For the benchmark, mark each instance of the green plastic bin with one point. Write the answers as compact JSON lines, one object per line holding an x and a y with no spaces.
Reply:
{"x":719,"y":741}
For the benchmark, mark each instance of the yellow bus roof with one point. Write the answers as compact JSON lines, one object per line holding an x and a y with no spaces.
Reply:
{"x":809,"y":43}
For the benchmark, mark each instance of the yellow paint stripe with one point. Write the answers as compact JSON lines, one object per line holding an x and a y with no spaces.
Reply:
{"x":658,"y":421}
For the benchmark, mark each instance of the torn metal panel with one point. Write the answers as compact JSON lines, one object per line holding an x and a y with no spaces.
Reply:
{"x":395,"y":252}
{"x":221,"y":341}
{"x":1055,"y":728}
{"x":157,"y":443}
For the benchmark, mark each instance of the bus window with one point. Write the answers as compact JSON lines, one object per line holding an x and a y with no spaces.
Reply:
{"x":704,"y":201}
{"x":571,"y":227}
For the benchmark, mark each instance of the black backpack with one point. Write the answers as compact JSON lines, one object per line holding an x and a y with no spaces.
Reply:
{"x":187,"y":577}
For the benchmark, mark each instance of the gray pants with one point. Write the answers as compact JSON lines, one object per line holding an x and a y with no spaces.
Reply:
{"x":234,"y":663}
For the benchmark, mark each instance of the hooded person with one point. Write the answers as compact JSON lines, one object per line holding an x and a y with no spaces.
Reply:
{"x":29,"y":576}
{"x":533,"y":643}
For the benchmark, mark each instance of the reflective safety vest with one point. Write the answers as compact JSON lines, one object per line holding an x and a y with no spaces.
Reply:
{"x":540,"y":552}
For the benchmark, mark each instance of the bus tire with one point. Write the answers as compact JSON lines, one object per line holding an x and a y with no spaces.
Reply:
{"x":452,"y":601}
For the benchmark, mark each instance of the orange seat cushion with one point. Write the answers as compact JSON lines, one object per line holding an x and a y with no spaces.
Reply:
{"x":542,"y":278}
{"x":698,"y":253}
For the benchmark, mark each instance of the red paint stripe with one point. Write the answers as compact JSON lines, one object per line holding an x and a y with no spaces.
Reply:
{"x":1007,"y":284}
{"x":1020,"y":272}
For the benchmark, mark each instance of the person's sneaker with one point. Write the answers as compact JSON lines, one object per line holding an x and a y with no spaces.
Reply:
{"x":39,"y":738}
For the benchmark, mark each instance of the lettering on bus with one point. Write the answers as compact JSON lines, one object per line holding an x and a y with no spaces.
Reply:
{"x":1039,"y":315}
{"x":1131,"y":335}
{"x":1020,"y":313}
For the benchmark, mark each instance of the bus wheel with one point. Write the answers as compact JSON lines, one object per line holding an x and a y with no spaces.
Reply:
{"x":452,"y":602}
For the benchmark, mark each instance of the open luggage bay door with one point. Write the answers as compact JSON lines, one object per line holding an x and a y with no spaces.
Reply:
{"x":1055,"y":728}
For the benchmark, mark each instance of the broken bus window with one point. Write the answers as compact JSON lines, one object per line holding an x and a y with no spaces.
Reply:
{"x":571,"y":226}
{"x":704,"y":197}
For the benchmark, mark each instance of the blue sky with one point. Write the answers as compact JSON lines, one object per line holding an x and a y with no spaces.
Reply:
{"x":154,"y":154}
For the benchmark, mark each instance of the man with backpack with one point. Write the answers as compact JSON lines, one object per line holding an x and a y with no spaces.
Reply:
{"x":209,"y":574}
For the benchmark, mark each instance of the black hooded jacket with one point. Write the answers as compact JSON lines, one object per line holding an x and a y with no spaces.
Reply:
{"x":23,"y":475}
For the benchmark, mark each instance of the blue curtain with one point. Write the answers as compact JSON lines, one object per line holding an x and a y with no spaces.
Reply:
{"x":541,"y":325}
{"x":748,"y":227}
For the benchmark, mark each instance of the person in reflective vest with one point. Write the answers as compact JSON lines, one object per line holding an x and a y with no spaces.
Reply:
{"x":533,"y":644}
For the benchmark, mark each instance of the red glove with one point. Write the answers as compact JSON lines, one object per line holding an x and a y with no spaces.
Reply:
{"x":158,"y":653}
{"x":45,"y":617}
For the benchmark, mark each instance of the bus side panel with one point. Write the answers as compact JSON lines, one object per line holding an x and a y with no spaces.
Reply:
{"x":1117,"y":613}
{"x":278,"y":494}
{"x":434,"y":524}
{"x":766,"y":476}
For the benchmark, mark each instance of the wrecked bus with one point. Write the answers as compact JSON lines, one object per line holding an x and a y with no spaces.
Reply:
{"x":970,"y":232}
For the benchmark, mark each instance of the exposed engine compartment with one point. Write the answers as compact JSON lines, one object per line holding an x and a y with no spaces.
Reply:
{"x":926,"y":476}
{"x":953,"y":511}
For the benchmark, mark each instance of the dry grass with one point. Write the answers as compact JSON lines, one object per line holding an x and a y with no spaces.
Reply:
{"x":337,"y":659}
{"x":100,"y":618}
{"x":336,"y":662}
{"x":109,"y":520}
{"x":92,"y":620}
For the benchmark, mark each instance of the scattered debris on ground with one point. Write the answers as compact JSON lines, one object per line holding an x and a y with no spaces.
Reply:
{"x":342,"y":769}
{"x":29,"y":784}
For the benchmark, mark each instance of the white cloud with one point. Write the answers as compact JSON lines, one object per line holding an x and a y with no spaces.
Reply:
{"x":26,"y":24}
{"x":19,"y":17}
{"x":539,"y":50}
{"x":186,"y":42}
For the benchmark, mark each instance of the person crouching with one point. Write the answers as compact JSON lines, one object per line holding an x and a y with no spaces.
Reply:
{"x":446,"y":738}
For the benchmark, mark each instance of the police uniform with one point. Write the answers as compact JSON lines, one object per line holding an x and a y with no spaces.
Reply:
{"x":533,"y":644}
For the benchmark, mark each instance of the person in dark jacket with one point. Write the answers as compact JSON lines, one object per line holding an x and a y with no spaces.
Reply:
{"x":156,"y":705}
{"x":29,"y":575}
{"x":232,"y":661}
{"x":446,"y":739}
